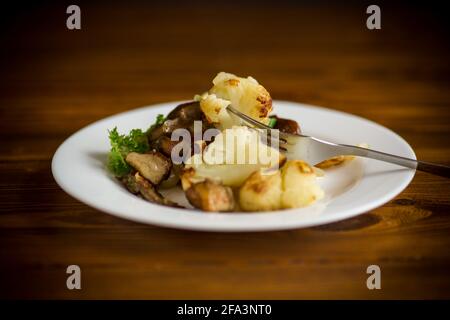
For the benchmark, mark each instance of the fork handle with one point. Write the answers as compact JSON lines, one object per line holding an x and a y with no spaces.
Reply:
{"x":434,"y":168}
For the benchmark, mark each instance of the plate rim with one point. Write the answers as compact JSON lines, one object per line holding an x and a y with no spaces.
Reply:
{"x":320,"y":219}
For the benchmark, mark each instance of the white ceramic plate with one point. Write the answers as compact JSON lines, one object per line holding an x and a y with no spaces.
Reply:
{"x":357,"y":187}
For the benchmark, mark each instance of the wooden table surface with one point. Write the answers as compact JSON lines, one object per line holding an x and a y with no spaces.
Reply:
{"x":55,"y":81}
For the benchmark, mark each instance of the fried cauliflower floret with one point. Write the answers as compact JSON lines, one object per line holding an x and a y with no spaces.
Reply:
{"x":293,"y":186}
{"x":261,"y":192}
{"x":215,"y":111}
{"x":244,"y":94}
{"x":233,"y":156}
{"x":300,"y":187}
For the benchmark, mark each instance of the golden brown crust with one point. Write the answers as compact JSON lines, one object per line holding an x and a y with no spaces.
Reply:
{"x":244,"y":94}
{"x":265,"y":102}
{"x":338,"y":160}
{"x":300,"y":187}
{"x":303,"y":167}
{"x":258,"y":186}
{"x":261,"y":192}
{"x":233,"y":82}
{"x":186,"y":178}
{"x":332,"y":162}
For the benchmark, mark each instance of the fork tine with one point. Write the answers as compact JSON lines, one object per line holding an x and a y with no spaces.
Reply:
{"x":294,"y":146}
{"x":247,"y":118}
{"x":283,"y":135}
{"x":280,"y":142}
{"x":257,"y":124}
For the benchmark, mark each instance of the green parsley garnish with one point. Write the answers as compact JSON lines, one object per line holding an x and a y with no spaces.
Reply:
{"x":272,"y":122}
{"x":121,"y":145}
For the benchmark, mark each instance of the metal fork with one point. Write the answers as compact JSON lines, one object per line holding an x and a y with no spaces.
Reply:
{"x":314,"y":150}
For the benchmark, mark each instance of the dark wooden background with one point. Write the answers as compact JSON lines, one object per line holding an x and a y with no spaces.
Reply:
{"x":55,"y":81}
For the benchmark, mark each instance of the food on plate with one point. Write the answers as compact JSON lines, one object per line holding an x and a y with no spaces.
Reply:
{"x":136,"y":184}
{"x":333,"y":162}
{"x":300,"y":186}
{"x":338,"y":160}
{"x":285,"y":125}
{"x":121,"y":145}
{"x":232,"y":165}
{"x":209,"y":195}
{"x":244,"y":94}
{"x":153,"y":166}
{"x":261,"y":191}
{"x":294,"y":186}
{"x":216,"y":162}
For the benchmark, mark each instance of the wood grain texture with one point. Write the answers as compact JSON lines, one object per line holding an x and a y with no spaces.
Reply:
{"x":56,"y":81}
